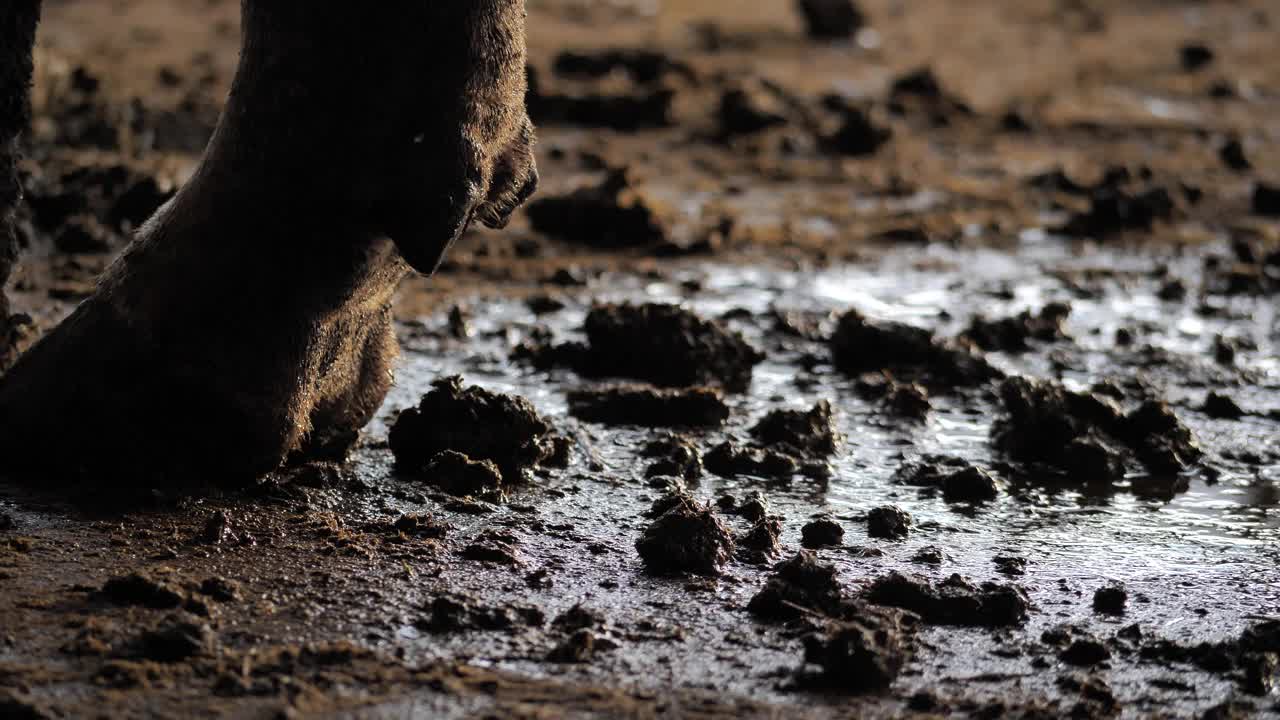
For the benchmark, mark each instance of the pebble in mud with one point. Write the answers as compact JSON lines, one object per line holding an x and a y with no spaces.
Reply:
{"x":650,"y":407}
{"x":688,"y":538}
{"x":888,"y":522}
{"x":798,"y":584}
{"x":503,"y":429}
{"x":954,"y":601}
{"x":823,"y":532}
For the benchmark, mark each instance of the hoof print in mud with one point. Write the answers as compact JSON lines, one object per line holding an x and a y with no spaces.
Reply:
{"x":687,"y":538}
{"x":484,"y":427}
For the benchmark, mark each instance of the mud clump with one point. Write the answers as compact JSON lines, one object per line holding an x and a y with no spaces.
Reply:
{"x":453,"y":613}
{"x":747,"y":110}
{"x":645,"y":67}
{"x":889,"y":523}
{"x":804,"y":434}
{"x":688,"y":538}
{"x":610,"y":215}
{"x":1013,"y":334}
{"x":969,"y":485}
{"x":1088,"y":437}
{"x":505,"y":430}
{"x":175,"y":640}
{"x":729,"y":459}
{"x":761,"y":542}
{"x":831,"y":19}
{"x":641,"y":108}
{"x":1085,"y":652}
{"x":1110,"y":600}
{"x":1221,"y":407}
{"x":457,"y":474}
{"x":861,"y":654}
{"x":799,"y":585}
{"x":666,"y":345}
{"x":860,"y":345}
{"x":953,"y":601}
{"x":142,"y":591}
{"x":1114,"y":210}
{"x":857,"y":135}
{"x":1266,"y":200}
{"x":650,"y":407}
{"x":919,"y":93}
{"x":822,"y":532}
{"x":674,"y":456}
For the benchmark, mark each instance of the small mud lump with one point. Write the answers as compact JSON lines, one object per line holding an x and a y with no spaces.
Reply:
{"x":799,"y":584}
{"x":1086,"y":435}
{"x":953,"y":601}
{"x":970,"y":484}
{"x":666,"y":345}
{"x":1110,"y":600}
{"x":888,"y":522}
{"x":650,"y":407}
{"x":503,"y":429}
{"x":831,"y":19}
{"x":457,"y":474}
{"x":687,"y":538}
{"x":800,"y":433}
{"x":822,"y":532}
{"x":860,"y":345}
{"x":863,"y":654}
{"x":610,"y":215}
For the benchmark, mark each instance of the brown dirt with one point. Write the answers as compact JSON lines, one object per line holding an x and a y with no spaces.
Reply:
{"x":864,"y":238}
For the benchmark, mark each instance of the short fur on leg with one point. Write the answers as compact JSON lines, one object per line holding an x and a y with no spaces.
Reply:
{"x":17,"y":35}
{"x":250,"y":318}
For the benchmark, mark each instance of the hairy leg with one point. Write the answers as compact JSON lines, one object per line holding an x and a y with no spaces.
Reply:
{"x":250,"y":319}
{"x":18,"y":20}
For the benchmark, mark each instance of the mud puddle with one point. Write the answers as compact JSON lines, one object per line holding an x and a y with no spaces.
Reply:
{"x":1196,"y":556}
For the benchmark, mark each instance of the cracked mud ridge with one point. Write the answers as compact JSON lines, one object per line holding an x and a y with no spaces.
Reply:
{"x":906,"y":359}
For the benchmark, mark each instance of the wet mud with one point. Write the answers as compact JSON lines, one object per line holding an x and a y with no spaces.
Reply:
{"x":845,"y":367}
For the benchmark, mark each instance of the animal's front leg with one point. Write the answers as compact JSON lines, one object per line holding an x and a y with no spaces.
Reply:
{"x":18,"y":20}
{"x":471,"y":150}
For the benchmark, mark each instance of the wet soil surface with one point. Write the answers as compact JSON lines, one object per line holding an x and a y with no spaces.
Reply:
{"x":933,"y":372}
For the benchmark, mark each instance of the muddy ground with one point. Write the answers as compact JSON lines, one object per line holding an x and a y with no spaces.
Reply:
{"x":979,"y":312}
